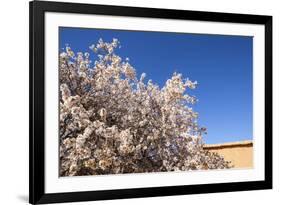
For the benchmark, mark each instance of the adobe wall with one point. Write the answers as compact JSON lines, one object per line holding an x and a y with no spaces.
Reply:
{"x":239,"y":153}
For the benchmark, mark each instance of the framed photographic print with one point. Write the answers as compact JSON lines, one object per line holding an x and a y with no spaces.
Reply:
{"x":140,"y":102}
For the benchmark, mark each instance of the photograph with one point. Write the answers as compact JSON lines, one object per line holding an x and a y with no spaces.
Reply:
{"x":148,"y":101}
{"x":131,"y":102}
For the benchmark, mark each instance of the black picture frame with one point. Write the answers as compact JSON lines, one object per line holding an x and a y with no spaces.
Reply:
{"x":37,"y":9}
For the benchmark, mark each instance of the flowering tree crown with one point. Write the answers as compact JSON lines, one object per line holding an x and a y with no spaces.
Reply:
{"x":112,"y":122}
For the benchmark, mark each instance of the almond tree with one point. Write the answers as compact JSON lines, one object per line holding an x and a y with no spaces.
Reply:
{"x":112,"y":122}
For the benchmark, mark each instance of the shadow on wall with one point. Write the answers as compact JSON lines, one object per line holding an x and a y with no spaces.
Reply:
{"x":239,"y":153}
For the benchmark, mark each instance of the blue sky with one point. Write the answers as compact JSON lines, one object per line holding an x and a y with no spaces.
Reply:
{"x":221,"y":64}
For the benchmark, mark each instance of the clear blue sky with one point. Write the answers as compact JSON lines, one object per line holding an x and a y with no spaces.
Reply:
{"x":221,"y":64}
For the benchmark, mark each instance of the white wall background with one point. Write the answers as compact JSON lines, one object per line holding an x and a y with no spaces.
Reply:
{"x":14,"y":100}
